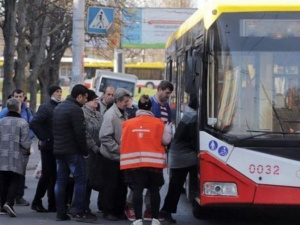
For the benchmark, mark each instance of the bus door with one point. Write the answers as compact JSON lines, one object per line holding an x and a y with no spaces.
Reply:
{"x":175,"y":96}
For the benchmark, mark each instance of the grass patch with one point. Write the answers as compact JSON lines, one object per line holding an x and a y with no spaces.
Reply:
{"x":146,"y":91}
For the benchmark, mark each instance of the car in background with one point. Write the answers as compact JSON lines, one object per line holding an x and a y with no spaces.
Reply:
{"x":64,"y":81}
{"x":105,"y":79}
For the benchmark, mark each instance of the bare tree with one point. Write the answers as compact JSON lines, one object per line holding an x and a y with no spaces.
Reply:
{"x":42,"y":31}
{"x":59,"y":39}
{"x":9,"y":29}
{"x":22,"y":45}
{"x":45,"y":36}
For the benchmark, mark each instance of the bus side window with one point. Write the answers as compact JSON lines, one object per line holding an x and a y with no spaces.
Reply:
{"x":193,"y":68}
{"x":169,"y":70}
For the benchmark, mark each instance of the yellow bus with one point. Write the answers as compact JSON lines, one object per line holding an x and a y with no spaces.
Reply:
{"x":143,"y":70}
{"x":242,"y":60}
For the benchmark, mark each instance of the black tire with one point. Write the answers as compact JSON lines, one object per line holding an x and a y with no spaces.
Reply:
{"x":191,"y":186}
{"x":150,"y":85}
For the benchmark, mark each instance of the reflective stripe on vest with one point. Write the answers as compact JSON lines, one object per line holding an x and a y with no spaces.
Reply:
{"x":148,"y":159}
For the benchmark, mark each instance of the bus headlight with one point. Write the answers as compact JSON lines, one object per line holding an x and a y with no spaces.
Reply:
{"x":217,"y":188}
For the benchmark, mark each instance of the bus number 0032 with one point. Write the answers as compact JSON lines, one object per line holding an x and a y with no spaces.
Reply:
{"x":264,"y":169}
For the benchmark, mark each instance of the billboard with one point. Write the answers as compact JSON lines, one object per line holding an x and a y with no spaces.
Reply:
{"x":151,"y":27}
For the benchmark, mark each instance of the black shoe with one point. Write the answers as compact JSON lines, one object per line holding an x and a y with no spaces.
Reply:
{"x":110,"y":217}
{"x":22,"y":202}
{"x":166,"y":216}
{"x":122,"y":216}
{"x":62,"y":217}
{"x":51,"y":209}
{"x":2,"y":211}
{"x":38,"y":207}
{"x":10,"y":210}
{"x":183,"y":190}
{"x":99,"y":210}
{"x":85,"y":217}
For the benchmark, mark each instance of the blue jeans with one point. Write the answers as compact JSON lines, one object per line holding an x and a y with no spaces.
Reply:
{"x":75,"y":165}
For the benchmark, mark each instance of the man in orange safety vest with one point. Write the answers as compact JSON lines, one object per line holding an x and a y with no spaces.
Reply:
{"x":143,"y":157}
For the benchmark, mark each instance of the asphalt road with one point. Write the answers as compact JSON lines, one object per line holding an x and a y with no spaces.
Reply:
{"x":26,"y":216}
{"x":219,"y":216}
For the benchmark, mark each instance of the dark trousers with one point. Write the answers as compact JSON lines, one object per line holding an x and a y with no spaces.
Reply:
{"x":21,"y":187}
{"x":69,"y":192}
{"x":114,"y":193}
{"x":99,"y":202}
{"x":47,"y":180}
{"x":10,"y":182}
{"x":178,"y":177}
{"x":75,"y":165}
{"x":88,"y":193}
{"x":141,"y":179}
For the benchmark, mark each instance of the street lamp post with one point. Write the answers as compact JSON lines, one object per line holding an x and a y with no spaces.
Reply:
{"x":78,"y":43}
{"x":118,"y":51}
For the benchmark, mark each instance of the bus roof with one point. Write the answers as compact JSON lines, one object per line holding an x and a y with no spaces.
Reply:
{"x":212,"y":9}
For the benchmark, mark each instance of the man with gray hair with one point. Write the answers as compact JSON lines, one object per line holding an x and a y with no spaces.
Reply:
{"x":106,"y":99}
{"x":115,"y":190}
{"x":14,"y":154}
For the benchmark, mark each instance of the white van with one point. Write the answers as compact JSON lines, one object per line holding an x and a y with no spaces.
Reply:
{"x":117,"y":80}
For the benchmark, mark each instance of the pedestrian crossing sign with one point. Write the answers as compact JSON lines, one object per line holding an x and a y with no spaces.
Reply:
{"x":99,"y":19}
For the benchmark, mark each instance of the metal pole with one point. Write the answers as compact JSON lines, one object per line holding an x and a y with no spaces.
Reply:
{"x":118,"y":52}
{"x":118,"y":60}
{"x":78,"y":43}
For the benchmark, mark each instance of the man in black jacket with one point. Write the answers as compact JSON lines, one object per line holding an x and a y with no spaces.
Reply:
{"x":42,"y":127}
{"x":70,"y":149}
{"x":182,"y":158}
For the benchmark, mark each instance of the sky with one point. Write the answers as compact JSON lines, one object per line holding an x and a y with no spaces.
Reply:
{"x":200,"y":2}
{"x":196,"y":3}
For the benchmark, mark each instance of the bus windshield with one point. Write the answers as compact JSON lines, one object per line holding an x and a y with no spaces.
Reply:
{"x":254,"y":75}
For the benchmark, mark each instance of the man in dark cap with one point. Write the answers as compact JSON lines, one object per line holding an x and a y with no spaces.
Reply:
{"x":42,"y":127}
{"x":54,"y":88}
{"x":144,"y":161}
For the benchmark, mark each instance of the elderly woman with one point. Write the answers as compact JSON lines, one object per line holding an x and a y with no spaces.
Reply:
{"x":15,"y":145}
{"x":93,"y":121}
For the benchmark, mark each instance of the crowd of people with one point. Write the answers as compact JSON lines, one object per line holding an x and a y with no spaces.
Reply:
{"x":105,"y":144}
